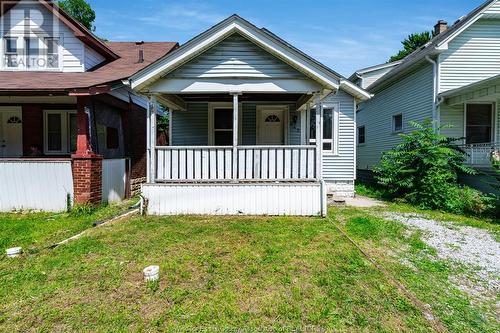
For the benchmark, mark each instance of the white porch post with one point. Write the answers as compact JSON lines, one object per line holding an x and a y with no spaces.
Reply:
{"x":151,"y":133}
{"x":235,"y":133}
{"x":319,"y":137}
{"x":148,"y":141}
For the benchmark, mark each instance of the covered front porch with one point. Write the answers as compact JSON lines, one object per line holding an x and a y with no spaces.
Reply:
{"x":57,"y":150}
{"x":473,"y":113}
{"x":238,"y":153}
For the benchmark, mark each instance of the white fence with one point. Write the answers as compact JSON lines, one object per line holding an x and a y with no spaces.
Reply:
{"x":480,"y":154}
{"x":114,"y":180}
{"x":263,"y":163}
{"x":35,"y":185}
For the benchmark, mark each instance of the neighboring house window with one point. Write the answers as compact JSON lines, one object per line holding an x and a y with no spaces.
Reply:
{"x":11,"y":52}
{"x":223,"y":126}
{"x":330,"y":129}
{"x":397,"y":123}
{"x":33,"y":58}
{"x":60,"y":132}
{"x":479,"y":123}
{"x":31,"y":53}
{"x":361,"y":135}
{"x":52,"y":45}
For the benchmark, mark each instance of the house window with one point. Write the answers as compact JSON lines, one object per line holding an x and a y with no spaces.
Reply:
{"x":223,"y":126}
{"x":361,"y":135}
{"x":397,"y":123}
{"x":11,"y":52}
{"x":31,"y":53}
{"x":33,"y":59}
{"x":52,"y":47}
{"x":330,"y":129}
{"x":479,"y":123}
{"x":60,"y":132}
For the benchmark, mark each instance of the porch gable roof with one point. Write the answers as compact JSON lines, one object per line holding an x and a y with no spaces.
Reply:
{"x":485,"y":89}
{"x":263,"y":38}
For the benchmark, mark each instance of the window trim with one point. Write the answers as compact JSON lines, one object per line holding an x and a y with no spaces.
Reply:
{"x":393,"y":123}
{"x":211,"y":110}
{"x":364,"y":135}
{"x":335,"y":140}
{"x":493,"y":119}
{"x":65,"y":131}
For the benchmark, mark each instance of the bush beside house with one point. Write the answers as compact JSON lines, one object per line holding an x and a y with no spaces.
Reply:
{"x":423,"y":170}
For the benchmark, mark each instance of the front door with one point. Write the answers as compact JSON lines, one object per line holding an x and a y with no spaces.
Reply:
{"x":271,"y":126}
{"x":479,"y":123}
{"x":11,"y":132}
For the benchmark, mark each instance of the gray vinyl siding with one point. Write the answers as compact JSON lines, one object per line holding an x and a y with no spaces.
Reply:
{"x":472,"y":56}
{"x":341,"y":167}
{"x":372,"y":77}
{"x":411,"y":96}
{"x":236,"y":57}
{"x":453,"y":116}
{"x":190,"y":127}
{"x":249,"y":125}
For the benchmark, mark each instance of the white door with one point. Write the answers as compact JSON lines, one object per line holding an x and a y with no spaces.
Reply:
{"x":271,"y":127}
{"x":11,"y":132}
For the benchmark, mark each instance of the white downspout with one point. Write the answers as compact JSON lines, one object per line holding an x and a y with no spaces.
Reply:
{"x":435,"y":120}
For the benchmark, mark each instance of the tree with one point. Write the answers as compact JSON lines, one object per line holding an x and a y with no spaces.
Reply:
{"x":81,"y":11}
{"x":412,"y":43}
{"x":423,"y":170}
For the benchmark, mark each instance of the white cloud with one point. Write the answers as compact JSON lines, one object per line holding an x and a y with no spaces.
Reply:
{"x":186,"y":17}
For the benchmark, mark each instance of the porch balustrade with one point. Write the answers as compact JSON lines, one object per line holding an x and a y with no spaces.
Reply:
{"x":252,"y":163}
{"x":480,"y":155}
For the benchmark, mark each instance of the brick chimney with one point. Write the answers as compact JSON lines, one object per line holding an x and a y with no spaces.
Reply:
{"x":440,"y":27}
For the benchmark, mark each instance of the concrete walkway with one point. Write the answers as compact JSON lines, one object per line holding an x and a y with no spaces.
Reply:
{"x":357,"y":202}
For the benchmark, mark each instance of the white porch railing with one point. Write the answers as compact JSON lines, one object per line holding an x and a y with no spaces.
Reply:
{"x":480,"y":154}
{"x":262,"y":163}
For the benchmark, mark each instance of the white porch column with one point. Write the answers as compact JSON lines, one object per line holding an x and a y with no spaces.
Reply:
{"x":151,"y":139}
{"x":319,"y":137}
{"x":148,"y":141}
{"x":235,"y":133}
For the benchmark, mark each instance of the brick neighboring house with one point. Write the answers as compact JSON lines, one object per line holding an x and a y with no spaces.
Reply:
{"x":66,"y":116}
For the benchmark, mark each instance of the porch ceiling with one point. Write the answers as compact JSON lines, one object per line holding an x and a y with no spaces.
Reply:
{"x":242,"y":98}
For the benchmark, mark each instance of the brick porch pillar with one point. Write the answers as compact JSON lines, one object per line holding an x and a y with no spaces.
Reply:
{"x":87,"y":165}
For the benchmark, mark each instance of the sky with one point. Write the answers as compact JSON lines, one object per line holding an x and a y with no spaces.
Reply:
{"x":345,"y":35}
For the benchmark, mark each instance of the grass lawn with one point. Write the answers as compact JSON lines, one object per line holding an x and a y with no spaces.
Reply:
{"x":432,"y":280}
{"x":224,"y":273}
{"x":217,"y":273}
{"x":34,"y":231}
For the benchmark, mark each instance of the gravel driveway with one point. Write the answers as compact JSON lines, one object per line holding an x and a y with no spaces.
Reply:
{"x":474,"y":248}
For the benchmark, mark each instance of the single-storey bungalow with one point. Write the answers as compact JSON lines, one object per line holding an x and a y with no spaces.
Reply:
{"x":257,"y":126}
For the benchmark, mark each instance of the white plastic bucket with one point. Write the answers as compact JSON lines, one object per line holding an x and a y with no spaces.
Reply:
{"x":14,"y":252}
{"x":151,"y":273}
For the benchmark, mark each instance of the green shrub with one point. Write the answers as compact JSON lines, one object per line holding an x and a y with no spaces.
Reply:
{"x":82,"y":210}
{"x":423,"y":171}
